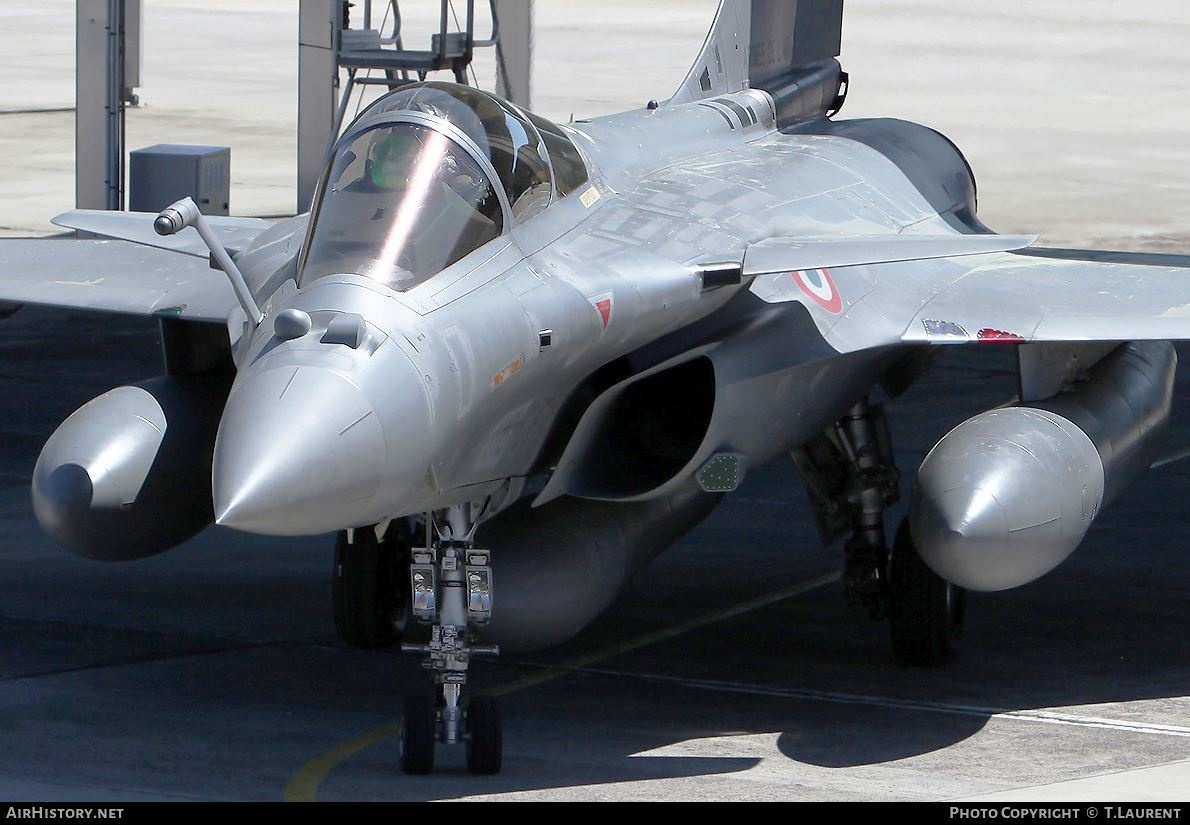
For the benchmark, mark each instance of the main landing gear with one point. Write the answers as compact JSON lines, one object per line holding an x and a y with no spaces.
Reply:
{"x":925,"y":610}
{"x":852,"y":479}
{"x":370,"y":586}
{"x":451,"y":590}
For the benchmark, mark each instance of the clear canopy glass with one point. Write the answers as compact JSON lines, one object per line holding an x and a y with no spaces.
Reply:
{"x":500,"y":131}
{"x":400,"y":203}
{"x":403,"y":200}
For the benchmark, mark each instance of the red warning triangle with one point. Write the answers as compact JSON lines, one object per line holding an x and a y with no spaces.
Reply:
{"x":603,"y":305}
{"x":605,"y":310}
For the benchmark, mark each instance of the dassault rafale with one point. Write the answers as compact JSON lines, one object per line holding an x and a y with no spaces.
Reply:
{"x":508,"y":362}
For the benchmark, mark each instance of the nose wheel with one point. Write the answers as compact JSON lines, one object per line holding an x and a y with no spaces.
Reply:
{"x":421,"y":726}
{"x":450,"y":587}
{"x":418,"y":734}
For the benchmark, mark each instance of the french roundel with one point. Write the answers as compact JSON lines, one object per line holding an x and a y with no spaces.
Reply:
{"x":818,"y":284}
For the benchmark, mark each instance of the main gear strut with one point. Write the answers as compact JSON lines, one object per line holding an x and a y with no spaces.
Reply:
{"x":864,"y":437}
{"x":852,"y":479}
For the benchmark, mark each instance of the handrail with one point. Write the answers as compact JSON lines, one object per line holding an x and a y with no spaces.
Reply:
{"x":495,"y":36}
{"x":444,"y":27}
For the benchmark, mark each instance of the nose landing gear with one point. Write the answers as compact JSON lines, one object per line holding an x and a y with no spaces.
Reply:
{"x":451,"y":590}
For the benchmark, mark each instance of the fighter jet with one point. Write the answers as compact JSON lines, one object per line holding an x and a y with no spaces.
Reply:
{"x":508,"y":361}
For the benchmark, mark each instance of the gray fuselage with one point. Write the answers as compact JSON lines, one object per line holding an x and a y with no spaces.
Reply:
{"x":452,"y":388}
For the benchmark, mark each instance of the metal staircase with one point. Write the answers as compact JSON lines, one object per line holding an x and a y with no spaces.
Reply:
{"x":368,"y":49}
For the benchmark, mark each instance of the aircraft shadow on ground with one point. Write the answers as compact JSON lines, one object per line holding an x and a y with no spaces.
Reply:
{"x":1087,"y":636}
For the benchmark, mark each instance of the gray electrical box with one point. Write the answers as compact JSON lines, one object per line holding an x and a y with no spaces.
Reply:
{"x":159,"y":175}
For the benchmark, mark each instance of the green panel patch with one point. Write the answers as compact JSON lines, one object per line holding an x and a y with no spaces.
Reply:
{"x":722,"y":473}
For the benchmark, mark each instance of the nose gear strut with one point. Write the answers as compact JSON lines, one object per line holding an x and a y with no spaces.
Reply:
{"x":451,"y":591}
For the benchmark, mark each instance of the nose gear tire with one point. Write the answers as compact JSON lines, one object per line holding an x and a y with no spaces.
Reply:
{"x":418,"y":734}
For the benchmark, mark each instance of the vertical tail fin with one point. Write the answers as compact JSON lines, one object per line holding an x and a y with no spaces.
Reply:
{"x":785,"y":47}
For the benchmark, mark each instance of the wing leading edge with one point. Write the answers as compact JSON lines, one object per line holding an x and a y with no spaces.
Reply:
{"x":235,"y":233}
{"x":112,"y":276}
{"x":776,"y":255}
{"x":1057,"y":296}
{"x":1020,"y":296}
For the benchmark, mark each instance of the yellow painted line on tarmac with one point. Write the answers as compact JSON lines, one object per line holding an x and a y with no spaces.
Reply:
{"x":303,"y":787}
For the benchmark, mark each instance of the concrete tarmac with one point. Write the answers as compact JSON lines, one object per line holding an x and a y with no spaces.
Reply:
{"x":730,"y":669}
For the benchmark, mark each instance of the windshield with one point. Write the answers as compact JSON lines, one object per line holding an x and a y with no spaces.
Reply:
{"x":400,"y":203}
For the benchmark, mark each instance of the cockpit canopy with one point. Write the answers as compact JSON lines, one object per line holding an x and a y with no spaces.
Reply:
{"x":433,"y":172}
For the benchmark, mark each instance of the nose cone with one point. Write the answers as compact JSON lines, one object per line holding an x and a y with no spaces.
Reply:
{"x":300,"y":451}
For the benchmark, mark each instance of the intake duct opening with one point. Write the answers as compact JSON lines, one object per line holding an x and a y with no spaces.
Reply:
{"x":649,"y":432}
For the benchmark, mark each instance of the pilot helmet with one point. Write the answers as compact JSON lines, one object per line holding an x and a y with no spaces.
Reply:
{"x":391,"y":157}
